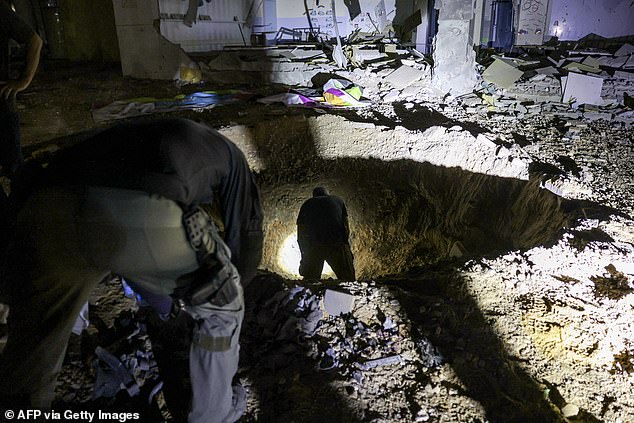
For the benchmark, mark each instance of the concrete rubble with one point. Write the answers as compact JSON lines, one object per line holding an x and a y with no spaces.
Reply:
{"x":509,"y":86}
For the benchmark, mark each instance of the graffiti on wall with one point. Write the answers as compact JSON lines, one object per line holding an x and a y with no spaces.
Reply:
{"x":532,"y":22}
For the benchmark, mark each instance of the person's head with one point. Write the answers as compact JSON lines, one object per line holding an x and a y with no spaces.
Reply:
{"x":320,"y":192}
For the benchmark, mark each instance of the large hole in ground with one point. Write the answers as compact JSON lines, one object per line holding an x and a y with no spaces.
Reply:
{"x":407,"y":214}
{"x":403,"y":213}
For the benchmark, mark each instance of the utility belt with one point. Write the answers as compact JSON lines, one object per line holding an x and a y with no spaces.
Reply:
{"x":217,"y":279}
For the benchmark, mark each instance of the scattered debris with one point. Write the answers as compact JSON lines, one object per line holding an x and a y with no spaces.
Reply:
{"x":623,"y":362}
{"x":582,"y":89}
{"x":615,"y":286}
{"x":502,"y":73}
{"x":404,"y":76}
{"x":337,"y":93}
{"x":337,"y":303}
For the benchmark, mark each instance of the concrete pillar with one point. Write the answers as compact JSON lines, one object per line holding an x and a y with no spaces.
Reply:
{"x":478,"y":21}
{"x":454,"y":57}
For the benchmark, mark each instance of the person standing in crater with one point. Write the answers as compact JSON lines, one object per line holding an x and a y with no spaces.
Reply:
{"x":322,"y":235}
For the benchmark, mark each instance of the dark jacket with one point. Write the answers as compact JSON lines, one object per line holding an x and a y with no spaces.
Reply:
{"x":179,"y":159}
{"x":322,"y":221}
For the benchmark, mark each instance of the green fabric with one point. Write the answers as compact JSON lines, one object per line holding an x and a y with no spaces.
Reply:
{"x":213,"y":343}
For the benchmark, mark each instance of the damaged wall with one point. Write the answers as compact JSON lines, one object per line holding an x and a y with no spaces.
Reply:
{"x":215,"y":24}
{"x":291,"y":14}
{"x":145,"y":53}
{"x":574,"y":19}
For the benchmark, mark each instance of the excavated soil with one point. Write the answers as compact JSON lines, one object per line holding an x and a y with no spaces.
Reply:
{"x":488,"y":296}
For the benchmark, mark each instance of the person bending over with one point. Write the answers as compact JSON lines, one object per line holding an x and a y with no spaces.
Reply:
{"x":127,"y":201}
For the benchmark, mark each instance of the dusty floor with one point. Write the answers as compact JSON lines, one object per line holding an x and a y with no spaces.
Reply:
{"x":505,"y":301}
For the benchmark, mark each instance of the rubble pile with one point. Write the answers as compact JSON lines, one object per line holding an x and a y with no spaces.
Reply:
{"x":558,"y":84}
{"x":377,"y":361}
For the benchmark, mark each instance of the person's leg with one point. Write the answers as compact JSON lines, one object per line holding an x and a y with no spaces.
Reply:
{"x":49,"y":283}
{"x":213,"y":361}
{"x":311,"y":264}
{"x":341,"y":261}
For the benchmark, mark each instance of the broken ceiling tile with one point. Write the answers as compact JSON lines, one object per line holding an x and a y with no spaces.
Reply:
{"x":516,"y":61}
{"x":390,"y":48}
{"x":581,"y":67}
{"x":582,"y":89}
{"x":408,"y":62}
{"x":301,"y":54}
{"x":364,"y":55}
{"x":337,"y":303}
{"x":548,"y":70}
{"x":591,"y":61}
{"x":590,"y":50}
{"x":557,"y":59}
{"x":411,"y":91}
{"x":502,"y":74}
{"x":538,"y":77}
{"x":625,"y":50}
{"x":613,"y":62}
{"x":470,"y":100}
{"x":391,"y":96}
{"x":404,"y":76}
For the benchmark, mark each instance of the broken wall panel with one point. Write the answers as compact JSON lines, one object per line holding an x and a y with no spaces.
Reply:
{"x":582,"y":89}
{"x":217,"y":23}
{"x":502,"y":73}
{"x":144,"y":52}
{"x":531,"y":23}
{"x":292,"y":14}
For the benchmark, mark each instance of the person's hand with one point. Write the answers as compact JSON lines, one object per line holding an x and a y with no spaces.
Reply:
{"x":12,"y":87}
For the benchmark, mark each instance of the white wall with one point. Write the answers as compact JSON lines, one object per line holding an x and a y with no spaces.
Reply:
{"x":574,"y":19}
{"x":291,"y":14}
{"x":222,"y":24}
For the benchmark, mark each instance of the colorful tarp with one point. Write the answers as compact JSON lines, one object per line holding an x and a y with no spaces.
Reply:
{"x":336,"y":93}
{"x":148,"y":105}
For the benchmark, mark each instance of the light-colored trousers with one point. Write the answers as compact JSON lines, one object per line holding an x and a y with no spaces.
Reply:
{"x":68,"y":240}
